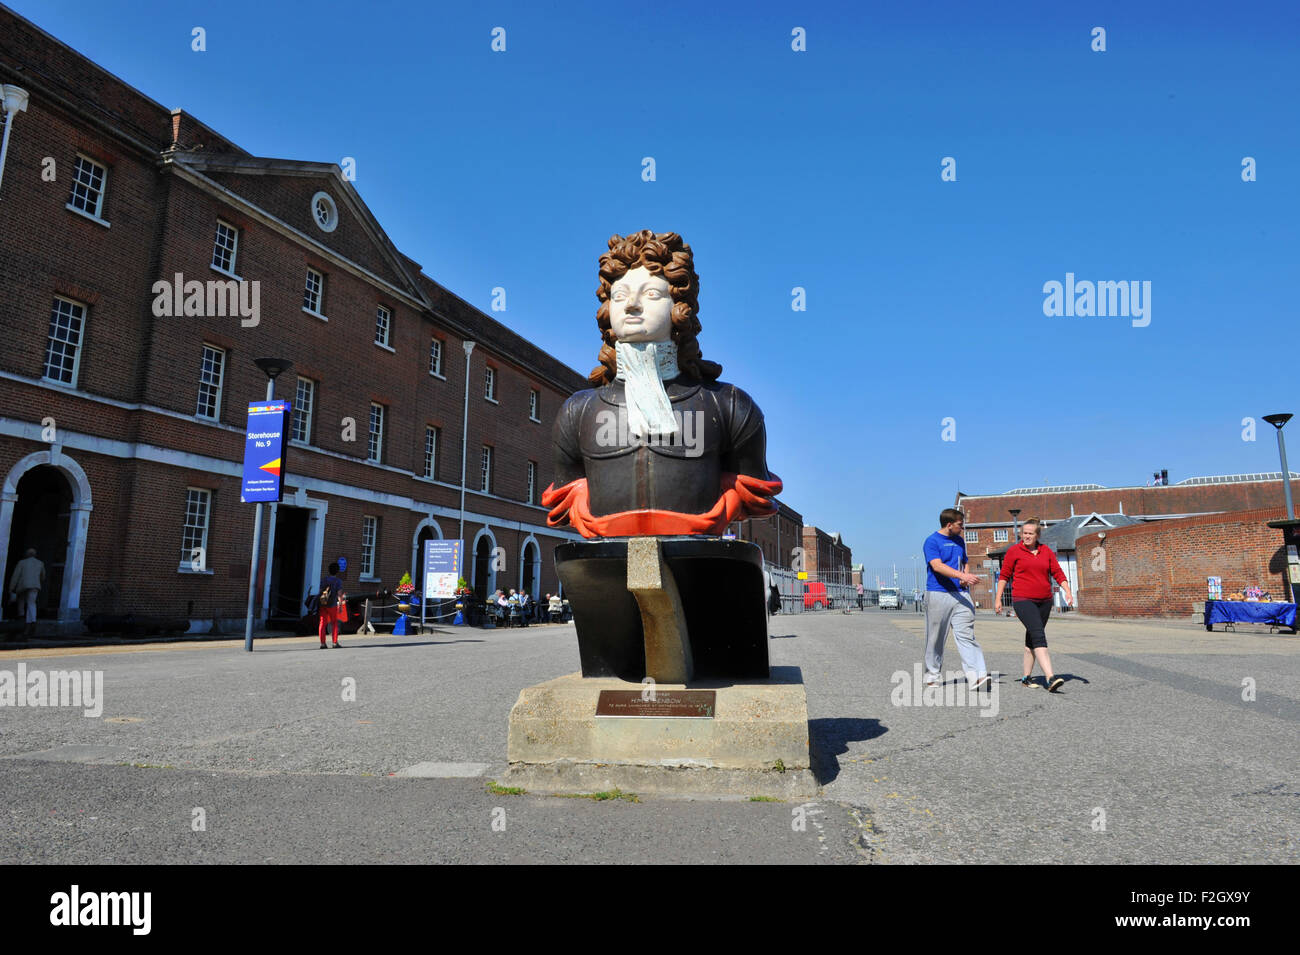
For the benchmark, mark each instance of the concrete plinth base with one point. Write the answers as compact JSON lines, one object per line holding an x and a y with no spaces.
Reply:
{"x":756,"y":743}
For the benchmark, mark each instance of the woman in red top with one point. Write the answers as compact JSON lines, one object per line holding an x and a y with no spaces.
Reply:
{"x":1032,"y":566}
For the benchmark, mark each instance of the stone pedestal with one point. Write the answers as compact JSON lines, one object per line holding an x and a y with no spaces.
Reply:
{"x":755,"y":744}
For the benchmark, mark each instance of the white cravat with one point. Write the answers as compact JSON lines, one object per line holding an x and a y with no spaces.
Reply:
{"x":643,"y":367}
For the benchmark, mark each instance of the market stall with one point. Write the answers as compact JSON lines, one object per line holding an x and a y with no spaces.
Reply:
{"x":1229,"y":612}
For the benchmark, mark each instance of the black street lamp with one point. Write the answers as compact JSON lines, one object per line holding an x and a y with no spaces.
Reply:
{"x":1279,"y":421}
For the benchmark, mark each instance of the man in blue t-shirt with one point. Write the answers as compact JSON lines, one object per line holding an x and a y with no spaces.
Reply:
{"x":947,"y":603}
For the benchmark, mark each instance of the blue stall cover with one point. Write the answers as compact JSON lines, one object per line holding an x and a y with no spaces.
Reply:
{"x":1248,"y":611}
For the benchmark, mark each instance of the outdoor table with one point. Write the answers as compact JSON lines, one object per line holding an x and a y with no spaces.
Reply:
{"x":1249,"y":611}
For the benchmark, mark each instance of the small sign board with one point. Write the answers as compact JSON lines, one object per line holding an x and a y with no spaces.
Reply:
{"x":441,"y":568}
{"x":803,"y":575}
{"x":672,"y":704}
{"x":263,"y":479}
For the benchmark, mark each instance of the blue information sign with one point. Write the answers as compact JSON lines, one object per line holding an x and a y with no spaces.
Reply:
{"x":264,"y":452}
{"x":441,"y":568}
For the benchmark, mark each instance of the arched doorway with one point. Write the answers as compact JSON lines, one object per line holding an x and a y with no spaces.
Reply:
{"x":40,"y":520}
{"x":530,"y":567}
{"x":427,"y":530}
{"x":46,"y":504}
{"x":485,"y":575}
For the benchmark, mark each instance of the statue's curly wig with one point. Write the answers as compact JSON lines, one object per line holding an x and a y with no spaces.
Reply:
{"x":663,"y":254}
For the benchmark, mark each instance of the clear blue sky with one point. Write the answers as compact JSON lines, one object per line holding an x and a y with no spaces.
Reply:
{"x":821,"y":169}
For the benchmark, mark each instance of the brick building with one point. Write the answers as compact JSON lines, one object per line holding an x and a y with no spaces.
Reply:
{"x":1161,"y":568}
{"x":145,"y":261}
{"x":826,"y":557}
{"x":777,"y":535}
{"x":1092,"y":508}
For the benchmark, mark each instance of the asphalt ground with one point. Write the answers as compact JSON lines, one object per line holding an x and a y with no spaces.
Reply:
{"x":1167,"y":745}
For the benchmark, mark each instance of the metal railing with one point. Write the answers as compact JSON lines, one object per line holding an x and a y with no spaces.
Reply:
{"x":840,"y":593}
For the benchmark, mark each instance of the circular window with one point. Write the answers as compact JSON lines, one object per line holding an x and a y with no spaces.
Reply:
{"x":324,"y":212}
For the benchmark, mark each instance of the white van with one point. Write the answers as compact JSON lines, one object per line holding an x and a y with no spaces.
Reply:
{"x":890,"y":599}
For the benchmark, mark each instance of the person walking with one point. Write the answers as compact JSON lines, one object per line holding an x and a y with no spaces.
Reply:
{"x":331,"y":594}
{"x":948,"y":604}
{"x":1030,"y":566}
{"x":24,"y":585}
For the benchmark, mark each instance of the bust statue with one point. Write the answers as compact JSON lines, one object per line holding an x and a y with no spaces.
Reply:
{"x":659,"y":446}
{"x":651,"y":465}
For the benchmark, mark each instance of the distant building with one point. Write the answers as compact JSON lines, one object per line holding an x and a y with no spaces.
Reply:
{"x":777,"y":536}
{"x":826,"y":557}
{"x":1071,"y":512}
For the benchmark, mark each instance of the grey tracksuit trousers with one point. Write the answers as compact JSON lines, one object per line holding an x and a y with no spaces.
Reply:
{"x":943,"y":609}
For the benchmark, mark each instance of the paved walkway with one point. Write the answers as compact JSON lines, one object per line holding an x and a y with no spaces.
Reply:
{"x":382,"y":751}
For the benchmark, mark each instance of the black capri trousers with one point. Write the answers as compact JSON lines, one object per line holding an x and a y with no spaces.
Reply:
{"x":1033,"y":614}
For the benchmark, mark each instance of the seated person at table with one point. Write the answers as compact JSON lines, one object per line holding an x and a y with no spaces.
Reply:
{"x":554,"y":607}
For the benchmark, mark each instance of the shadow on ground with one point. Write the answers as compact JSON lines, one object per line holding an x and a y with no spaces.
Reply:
{"x":830,"y":738}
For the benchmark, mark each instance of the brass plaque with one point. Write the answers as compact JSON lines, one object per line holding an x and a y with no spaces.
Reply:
{"x":677,"y":704}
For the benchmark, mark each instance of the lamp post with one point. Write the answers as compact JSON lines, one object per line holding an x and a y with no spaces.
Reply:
{"x":1279,"y":421}
{"x":15,"y":102}
{"x":1290,"y":531}
{"x":271,"y":367}
{"x":464,"y":448}
{"x":1015,"y":536}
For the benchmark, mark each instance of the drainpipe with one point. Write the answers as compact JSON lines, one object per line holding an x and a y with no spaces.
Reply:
{"x":15,"y":102}
{"x":466,"y":556}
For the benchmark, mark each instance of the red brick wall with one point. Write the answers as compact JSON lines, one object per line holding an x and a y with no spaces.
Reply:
{"x":49,"y":249}
{"x":1160,"y":568}
{"x":288,"y":198}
